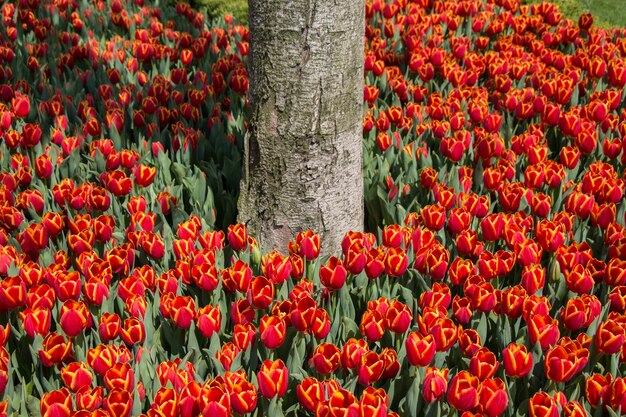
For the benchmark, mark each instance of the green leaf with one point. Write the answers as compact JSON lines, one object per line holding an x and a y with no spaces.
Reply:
{"x":347,"y":307}
{"x":32,"y":406}
{"x":433,"y":409}
{"x":214,"y":345}
{"x":413,"y":398}
{"x":481,"y":328}
{"x":199,"y":186}
{"x":350,"y":328}
{"x":591,"y":330}
{"x":296,"y":356}
{"x":612,"y":413}
{"x":192,"y":342}
{"x":179,"y":171}
{"x":137,"y":409}
{"x":275,"y":408}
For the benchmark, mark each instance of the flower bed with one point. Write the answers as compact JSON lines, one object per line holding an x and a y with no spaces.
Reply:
{"x":493,"y":281}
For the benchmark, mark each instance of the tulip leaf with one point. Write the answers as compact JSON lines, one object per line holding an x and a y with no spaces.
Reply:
{"x":440,"y":359}
{"x":100,"y":161}
{"x":13,"y":269}
{"x":591,"y":330}
{"x":522,"y":409}
{"x":423,"y":286}
{"x":350,"y":328}
{"x":502,"y":329}
{"x":214,"y":344}
{"x":275,"y":407}
{"x":152,"y":313}
{"x":413,"y":399}
{"x":137,"y":409}
{"x":178,"y":216}
{"x":297,"y":351}
{"x":32,"y":406}
{"x":481,"y":326}
{"x":347,"y":307}
{"x":180,"y":172}
{"x":511,"y":384}
{"x":614,"y":364}
{"x":612,"y":412}
{"x":432,"y":409}
{"x":192,"y":340}
{"x":199,"y":186}
{"x":335,"y":324}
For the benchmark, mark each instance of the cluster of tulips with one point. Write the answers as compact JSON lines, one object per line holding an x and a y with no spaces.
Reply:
{"x":492,"y":281}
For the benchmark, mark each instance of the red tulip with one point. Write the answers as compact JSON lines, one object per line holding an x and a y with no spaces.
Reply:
{"x":76,"y":376}
{"x":261,"y":292}
{"x":120,"y":376}
{"x":610,"y":337}
{"x":20,"y":105}
{"x":372,"y":325}
{"x":373,"y":403}
{"x":342,"y":402}
{"x":483,"y":364}
{"x":308,"y":244}
{"x":463,"y":391}
{"x":420,"y":350}
{"x":55,"y":349}
{"x":352,"y":351}
{"x":326,"y":358}
{"x":110,"y":326}
{"x":101,"y":358}
{"x":310,"y":393}
{"x":396,"y":262}
{"x":565,"y":360}
{"x":398,"y":317}
{"x":215,"y":400}
{"x":273,"y":378}
{"x":133,"y":331}
{"x":276,"y":267}
{"x":542,"y":405}
{"x":243,"y":395}
{"x":36,"y":321}
{"x":209,"y":320}
{"x":182,"y":311}
{"x":370,"y":368}
{"x":74,"y":317}
{"x":243,"y":335}
{"x":119,"y":403}
{"x":543,"y":329}
{"x":272,"y":331}
{"x":516,"y":360}
{"x":56,"y":403}
{"x":333,"y":274}
{"x":435,"y":384}
{"x":89,"y":399}
{"x":320,"y":327}
{"x":596,"y":387}
{"x":493,"y":397}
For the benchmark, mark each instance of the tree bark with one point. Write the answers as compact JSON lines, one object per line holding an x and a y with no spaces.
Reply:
{"x":303,"y":154}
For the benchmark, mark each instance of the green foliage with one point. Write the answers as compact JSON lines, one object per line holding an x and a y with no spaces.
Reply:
{"x":605,"y":12}
{"x":217,"y":8}
{"x":610,"y":11}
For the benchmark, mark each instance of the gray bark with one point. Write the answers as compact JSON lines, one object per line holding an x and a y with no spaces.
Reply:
{"x":303,"y":155}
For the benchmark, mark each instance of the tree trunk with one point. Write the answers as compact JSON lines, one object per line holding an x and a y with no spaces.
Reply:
{"x":303,"y":155}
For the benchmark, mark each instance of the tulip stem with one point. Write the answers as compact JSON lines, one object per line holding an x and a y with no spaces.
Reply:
{"x":614,"y":364}
{"x":398,"y":341}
